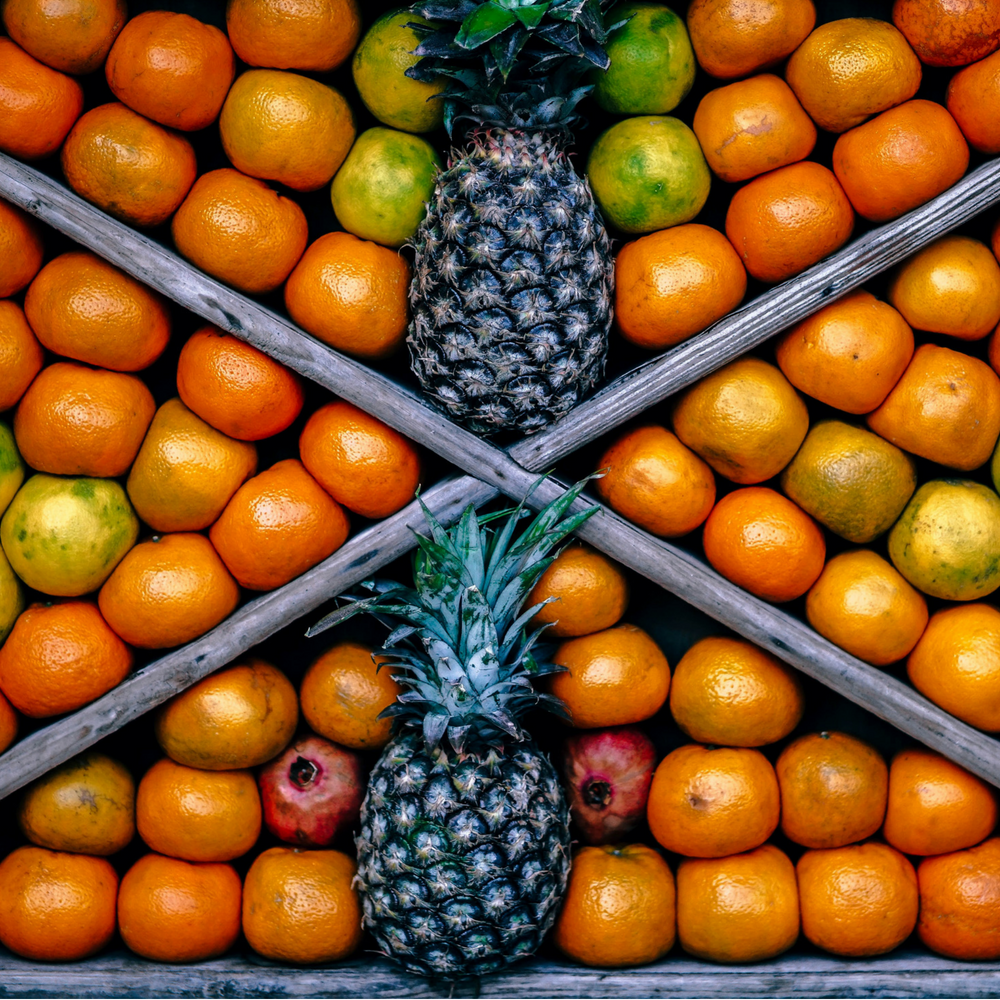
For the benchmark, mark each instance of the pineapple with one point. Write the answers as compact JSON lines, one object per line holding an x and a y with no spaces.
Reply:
{"x":513,"y":278}
{"x":463,"y":853}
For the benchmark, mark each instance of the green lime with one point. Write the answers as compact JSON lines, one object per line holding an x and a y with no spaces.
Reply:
{"x":11,"y":466}
{"x":64,"y":535}
{"x":381,"y":191}
{"x":379,"y":67}
{"x":652,"y":62}
{"x":11,"y":597}
{"x":648,"y":173}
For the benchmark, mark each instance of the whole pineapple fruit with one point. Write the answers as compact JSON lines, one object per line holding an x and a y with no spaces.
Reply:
{"x":463,"y":853}
{"x":514,"y":278}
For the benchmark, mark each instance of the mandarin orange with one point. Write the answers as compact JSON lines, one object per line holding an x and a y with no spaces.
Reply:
{"x":8,"y":723}
{"x":949,"y":32}
{"x":21,"y":356}
{"x":21,"y":248}
{"x":972,"y":93}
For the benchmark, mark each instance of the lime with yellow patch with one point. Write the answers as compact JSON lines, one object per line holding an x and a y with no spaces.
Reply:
{"x":11,"y":466}
{"x":11,"y":597}
{"x":64,"y":535}
{"x":381,"y":191}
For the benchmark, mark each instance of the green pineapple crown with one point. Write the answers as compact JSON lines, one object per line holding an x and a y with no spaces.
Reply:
{"x":463,"y":652}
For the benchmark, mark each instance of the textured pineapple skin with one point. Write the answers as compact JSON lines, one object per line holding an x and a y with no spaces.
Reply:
{"x":462,"y":860}
{"x":513,"y":286}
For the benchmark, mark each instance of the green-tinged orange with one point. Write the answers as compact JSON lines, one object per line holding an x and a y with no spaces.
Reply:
{"x":11,"y":466}
{"x":11,"y":601}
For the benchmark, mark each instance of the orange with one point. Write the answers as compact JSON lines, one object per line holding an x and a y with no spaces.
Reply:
{"x":8,"y":724}
{"x":935,"y":806}
{"x":730,"y":692}
{"x":861,"y":603}
{"x":945,"y":407}
{"x":278,"y":525}
{"x":733,"y":38}
{"x":167,"y":591}
{"x":857,"y":901}
{"x":239,"y":717}
{"x":848,"y":70}
{"x":751,"y":127}
{"x":344,"y":693}
{"x":77,"y":421}
{"x":56,"y":907}
{"x":294,"y":34}
{"x":38,"y":105}
{"x":949,"y":32}
{"x":173,"y":911}
{"x":674,"y":283}
{"x":361,"y":462}
{"x":972,"y":92}
{"x":21,"y":357}
{"x":745,"y":420}
{"x":86,"y":805}
{"x":236,"y":388}
{"x":287,"y":128}
{"x":83,"y":308}
{"x":59,"y":657}
{"x":900,"y":159}
{"x":833,"y":790}
{"x":612,"y":677}
{"x":186,"y":471}
{"x":126,"y":165}
{"x":849,"y":354}
{"x":198,"y":815}
{"x":21,"y":248}
{"x":708,"y":802}
{"x":240,"y":231}
{"x":172,"y":68}
{"x":656,"y":482}
{"x":950,"y":286}
{"x":301,"y":906}
{"x":619,"y":908}
{"x":739,"y":909}
{"x":764,"y":543}
{"x":351,"y":294}
{"x":590,"y":593}
{"x":959,"y":896}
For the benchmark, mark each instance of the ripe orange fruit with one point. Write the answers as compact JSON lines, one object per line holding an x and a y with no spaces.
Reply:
{"x":764,"y":543}
{"x":38,"y":105}
{"x":361,"y":462}
{"x":172,"y":68}
{"x":900,"y":159}
{"x":277,"y":525}
{"x":971,"y":93}
{"x":730,"y":692}
{"x":656,"y":482}
{"x":236,"y":388}
{"x":849,"y":354}
{"x":788,"y":219}
{"x":351,"y":294}
{"x":21,"y":248}
{"x":861,"y":603}
{"x":945,"y":407}
{"x":21,"y":357}
{"x":612,"y":677}
{"x":8,"y":724}
{"x":59,"y":657}
{"x":833,"y":790}
{"x":619,"y":908}
{"x":848,"y":70}
{"x":72,"y":37}
{"x":958,"y":902}
{"x":590,"y":590}
{"x":78,"y":421}
{"x":240,"y":231}
{"x":167,"y":591}
{"x":733,"y":38}
{"x":859,"y":900}
{"x":236,"y":718}
{"x":173,"y":911}
{"x":751,"y":127}
{"x":198,"y":815}
{"x":708,"y":802}
{"x":674,"y":283}
{"x":738,"y":909}
{"x":56,"y":907}
{"x":126,"y":165}
{"x":949,"y":32}
{"x":301,"y":34}
{"x":83,"y":308}
{"x":343,"y":693}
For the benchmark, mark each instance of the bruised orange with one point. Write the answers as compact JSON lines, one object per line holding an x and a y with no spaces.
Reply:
{"x":949,"y":32}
